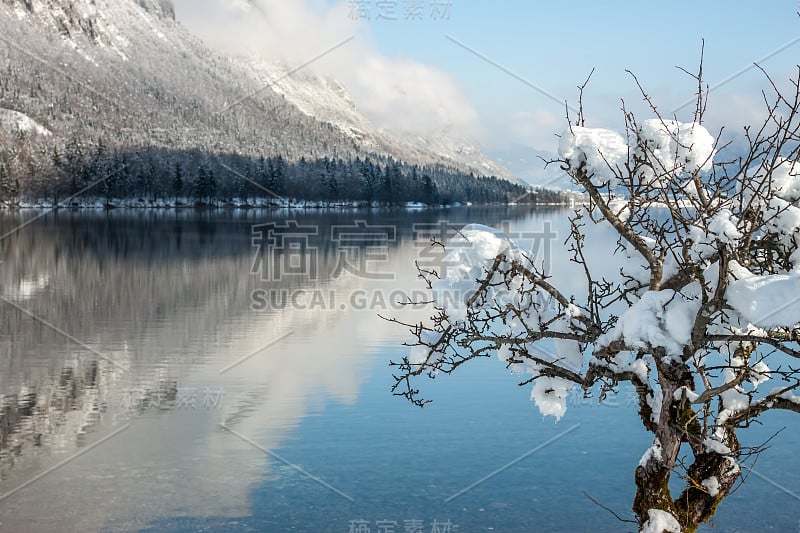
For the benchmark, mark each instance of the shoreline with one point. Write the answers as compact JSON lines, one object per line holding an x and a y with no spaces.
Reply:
{"x":300,"y":205}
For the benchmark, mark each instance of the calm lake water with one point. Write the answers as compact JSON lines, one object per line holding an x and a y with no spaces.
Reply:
{"x":208,"y":371}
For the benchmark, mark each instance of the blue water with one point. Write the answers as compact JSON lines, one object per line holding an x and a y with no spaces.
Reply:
{"x":306,"y":435}
{"x":400,"y":463}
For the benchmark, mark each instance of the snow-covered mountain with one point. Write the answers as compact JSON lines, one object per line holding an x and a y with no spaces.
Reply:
{"x":127,"y":70}
{"x":328,"y":100}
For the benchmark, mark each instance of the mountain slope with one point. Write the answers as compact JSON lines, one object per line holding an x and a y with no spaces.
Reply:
{"x":127,"y":72}
{"x":327,"y":100}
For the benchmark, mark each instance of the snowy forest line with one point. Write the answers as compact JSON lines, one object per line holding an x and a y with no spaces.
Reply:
{"x":80,"y":171}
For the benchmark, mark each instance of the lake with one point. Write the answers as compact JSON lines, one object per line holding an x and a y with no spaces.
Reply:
{"x":228,"y":371}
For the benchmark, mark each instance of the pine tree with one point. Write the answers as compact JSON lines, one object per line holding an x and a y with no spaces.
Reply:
{"x":202,"y":185}
{"x":429,"y":194}
{"x":177,"y":182}
{"x":278,"y":177}
{"x":212,"y":184}
{"x":9,"y":187}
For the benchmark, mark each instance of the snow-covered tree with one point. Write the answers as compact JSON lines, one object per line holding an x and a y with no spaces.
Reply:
{"x":701,"y":314}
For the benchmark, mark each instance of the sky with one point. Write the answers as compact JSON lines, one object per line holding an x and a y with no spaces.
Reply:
{"x":500,"y":72}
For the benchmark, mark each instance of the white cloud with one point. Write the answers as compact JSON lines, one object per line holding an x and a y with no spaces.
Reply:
{"x":395,"y":93}
{"x":537,"y":128}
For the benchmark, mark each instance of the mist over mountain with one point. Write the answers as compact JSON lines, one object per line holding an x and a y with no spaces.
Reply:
{"x":529,"y":164}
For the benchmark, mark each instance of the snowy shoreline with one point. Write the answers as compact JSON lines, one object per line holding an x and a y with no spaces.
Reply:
{"x":238,"y":204}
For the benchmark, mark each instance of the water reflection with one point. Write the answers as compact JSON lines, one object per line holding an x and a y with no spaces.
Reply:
{"x":141,"y":318}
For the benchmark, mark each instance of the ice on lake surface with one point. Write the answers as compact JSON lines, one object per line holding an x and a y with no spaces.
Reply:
{"x":188,"y":379}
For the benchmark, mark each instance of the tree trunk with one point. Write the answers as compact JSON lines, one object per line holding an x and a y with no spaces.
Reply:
{"x":652,"y":477}
{"x":698,"y":502}
{"x":676,"y":424}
